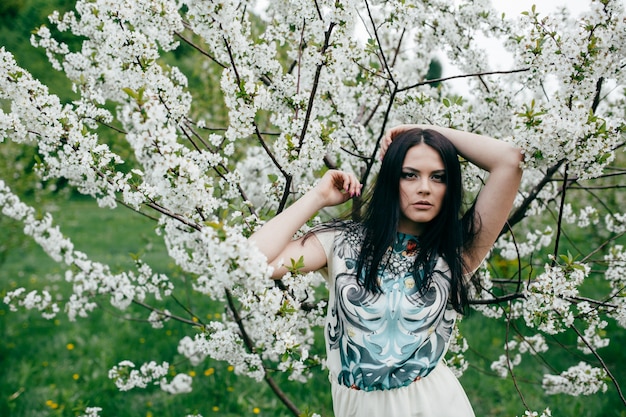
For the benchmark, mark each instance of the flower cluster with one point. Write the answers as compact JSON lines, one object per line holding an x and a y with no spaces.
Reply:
{"x":189,"y":349}
{"x":616,"y":276}
{"x":562,"y":124}
{"x":91,"y":412}
{"x":456,"y":353}
{"x":582,"y":379}
{"x":533,"y":345}
{"x":548,"y":299}
{"x":126,"y":377}
{"x":222,"y":342}
{"x":544,"y":413}
{"x":158,"y":318}
{"x":33,"y":300}
{"x":180,"y":384}
{"x":535,"y":241}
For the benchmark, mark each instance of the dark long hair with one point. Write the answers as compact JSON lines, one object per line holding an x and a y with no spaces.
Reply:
{"x":447,"y":235}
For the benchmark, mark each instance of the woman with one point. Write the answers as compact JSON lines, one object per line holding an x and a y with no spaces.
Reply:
{"x":398,"y":279}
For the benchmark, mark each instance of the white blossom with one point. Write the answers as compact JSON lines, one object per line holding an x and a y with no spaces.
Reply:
{"x":581,"y":379}
{"x":126,"y":377}
{"x":92,"y":412}
{"x":548,"y":305}
{"x":544,"y":413}
{"x":180,"y":384}
{"x":189,"y":349}
{"x":158,"y":318}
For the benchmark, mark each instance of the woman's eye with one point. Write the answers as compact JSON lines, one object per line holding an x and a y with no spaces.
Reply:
{"x":438,"y":177}
{"x":409,"y":175}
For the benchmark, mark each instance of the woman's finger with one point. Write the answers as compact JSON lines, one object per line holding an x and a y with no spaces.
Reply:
{"x":387,"y":139}
{"x":351,"y":185}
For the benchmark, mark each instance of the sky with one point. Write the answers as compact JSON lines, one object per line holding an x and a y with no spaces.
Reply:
{"x":513,"y":7}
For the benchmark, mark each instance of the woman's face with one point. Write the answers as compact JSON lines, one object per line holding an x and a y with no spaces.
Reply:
{"x":422,"y":188}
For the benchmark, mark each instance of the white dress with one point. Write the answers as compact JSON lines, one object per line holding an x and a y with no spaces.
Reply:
{"x":385,"y":350}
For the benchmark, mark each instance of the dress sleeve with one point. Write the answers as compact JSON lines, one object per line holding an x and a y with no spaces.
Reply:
{"x":327,"y":240}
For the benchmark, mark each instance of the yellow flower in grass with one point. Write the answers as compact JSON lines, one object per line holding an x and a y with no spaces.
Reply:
{"x":256,"y":410}
{"x":75,"y":377}
{"x":209,"y":372}
{"x":52,"y":404}
{"x":216,"y":408}
{"x":70,"y":346}
{"x":230,"y":368}
{"x":192,"y":373}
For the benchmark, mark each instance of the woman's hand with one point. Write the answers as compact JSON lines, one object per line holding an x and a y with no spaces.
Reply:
{"x":274,"y":238}
{"x":337,"y":187}
{"x":390,"y":136}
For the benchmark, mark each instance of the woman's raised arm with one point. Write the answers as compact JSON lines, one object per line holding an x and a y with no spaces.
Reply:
{"x":495,"y":200}
{"x":275,"y":238}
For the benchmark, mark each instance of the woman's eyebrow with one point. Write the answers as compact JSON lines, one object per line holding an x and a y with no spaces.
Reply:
{"x":411,"y":169}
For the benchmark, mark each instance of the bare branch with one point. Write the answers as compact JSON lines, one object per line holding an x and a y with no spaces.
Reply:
{"x":454,"y":77}
{"x":520,"y":212}
{"x":316,"y":80}
{"x":199,"y":49}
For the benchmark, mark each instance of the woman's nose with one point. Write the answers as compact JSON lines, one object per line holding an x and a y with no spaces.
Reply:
{"x":423,"y":186}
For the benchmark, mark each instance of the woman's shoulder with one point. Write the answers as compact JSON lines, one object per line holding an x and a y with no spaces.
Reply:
{"x":338,"y":226}
{"x":339,"y":232}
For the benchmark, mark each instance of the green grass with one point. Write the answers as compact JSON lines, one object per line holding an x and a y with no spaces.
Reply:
{"x":56,"y":368}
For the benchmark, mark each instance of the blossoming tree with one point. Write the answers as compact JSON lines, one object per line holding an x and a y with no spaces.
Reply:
{"x":309,"y":85}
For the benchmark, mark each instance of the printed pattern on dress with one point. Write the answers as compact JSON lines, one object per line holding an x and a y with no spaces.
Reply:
{"x":387,"y":339}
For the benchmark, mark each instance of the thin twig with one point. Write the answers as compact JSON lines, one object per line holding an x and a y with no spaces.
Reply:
{"x":509,"y":365}
{"x":197,"y":48}
{"x":559,"y":223}
{"x":599,"y":358}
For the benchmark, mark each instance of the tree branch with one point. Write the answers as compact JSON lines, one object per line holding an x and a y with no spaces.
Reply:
{"x":520,"y":212}
{"x":250,"y":347}
{"x":197,"y":48}
{"x":559,"y":223}
{"x":316,"y":80}
{"x":454,"y":77}
{"x":602,"y":363}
